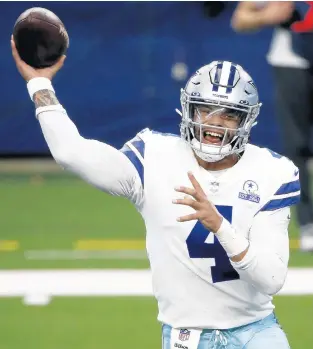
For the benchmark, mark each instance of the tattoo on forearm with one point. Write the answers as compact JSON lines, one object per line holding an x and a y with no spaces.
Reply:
{"x":45,"y":97}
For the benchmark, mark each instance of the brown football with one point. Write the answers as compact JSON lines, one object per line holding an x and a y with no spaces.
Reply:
{"x":40,"y":37}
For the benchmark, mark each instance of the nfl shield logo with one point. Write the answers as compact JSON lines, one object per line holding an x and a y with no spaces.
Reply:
{"x":184,"y":334}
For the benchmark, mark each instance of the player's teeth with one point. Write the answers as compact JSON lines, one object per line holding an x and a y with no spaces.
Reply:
{"x":213,"y":134}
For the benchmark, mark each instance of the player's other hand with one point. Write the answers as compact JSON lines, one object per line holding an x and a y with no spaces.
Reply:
{"x":206,"y":212}
{"x":29,"y":72}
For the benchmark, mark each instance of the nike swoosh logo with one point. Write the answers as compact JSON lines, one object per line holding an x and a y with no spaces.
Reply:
{"x":196,"y":83}
{"x":296,"y":172}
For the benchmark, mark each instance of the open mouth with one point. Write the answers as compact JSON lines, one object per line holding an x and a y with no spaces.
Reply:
{"x":212,"y":137}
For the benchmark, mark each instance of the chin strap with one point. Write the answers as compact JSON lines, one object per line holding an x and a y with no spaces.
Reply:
{"x":215,"y":154}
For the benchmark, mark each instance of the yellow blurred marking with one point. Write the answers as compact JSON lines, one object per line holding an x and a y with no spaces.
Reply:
{"x":294,"y":244}
{"x":109,"y":245}
{"x":8,"y":245}
{"x":131,"y":245}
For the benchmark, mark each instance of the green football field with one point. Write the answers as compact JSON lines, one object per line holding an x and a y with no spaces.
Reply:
{"x":42,"y":215}
{"x":117,"y":323}
{"x":57,"y":222}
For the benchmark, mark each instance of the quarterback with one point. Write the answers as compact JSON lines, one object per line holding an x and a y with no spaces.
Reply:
{"x":216,"y":208}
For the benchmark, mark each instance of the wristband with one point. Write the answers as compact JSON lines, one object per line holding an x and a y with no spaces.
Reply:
{"x":37,"y":84}
{"x":232,"y":243}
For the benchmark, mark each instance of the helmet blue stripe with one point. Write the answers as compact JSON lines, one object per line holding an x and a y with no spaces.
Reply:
{"x":217,"y":76}
{"x":231,"y":78}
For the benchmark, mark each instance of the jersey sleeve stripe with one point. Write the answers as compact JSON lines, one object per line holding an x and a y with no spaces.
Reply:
{"x":285,"y":196}
{"x":137,"y":149}
{"x":288,"y":188}
{"x":139,"y":145}
{"x":280,"y":203}
{"x":135,"y":153}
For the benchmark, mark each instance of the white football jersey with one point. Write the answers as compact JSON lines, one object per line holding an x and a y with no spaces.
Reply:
{"x":193,"y":280}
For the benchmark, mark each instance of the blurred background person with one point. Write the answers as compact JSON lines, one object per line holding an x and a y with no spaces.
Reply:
{"x":291,"y":58}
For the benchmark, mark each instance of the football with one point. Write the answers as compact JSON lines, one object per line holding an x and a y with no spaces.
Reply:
{"x":40,"y":37}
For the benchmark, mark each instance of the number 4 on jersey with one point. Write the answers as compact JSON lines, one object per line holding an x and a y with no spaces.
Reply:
{"x":198,"y":248}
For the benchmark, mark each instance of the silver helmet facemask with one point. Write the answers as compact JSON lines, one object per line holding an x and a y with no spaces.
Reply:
{"x":200,"y":94}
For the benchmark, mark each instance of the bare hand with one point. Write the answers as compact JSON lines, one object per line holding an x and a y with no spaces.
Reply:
{"x":276,"y":12}
{"x":29,"y":72}
{"x":254,"y":15}
{"x":206,"y":212}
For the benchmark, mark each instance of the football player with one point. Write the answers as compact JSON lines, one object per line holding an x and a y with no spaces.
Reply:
{"x":216,"y":208}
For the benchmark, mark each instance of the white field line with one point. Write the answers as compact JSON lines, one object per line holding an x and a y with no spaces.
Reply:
{"x":38,"y":286}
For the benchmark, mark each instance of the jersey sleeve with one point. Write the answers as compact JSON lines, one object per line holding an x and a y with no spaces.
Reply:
{"x":135,"y":152}
{"x":97,"y":163}
{"x":287,"y":187}
{"x":265,"y":265}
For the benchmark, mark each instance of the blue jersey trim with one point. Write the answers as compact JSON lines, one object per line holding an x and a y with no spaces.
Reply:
{"x":289,"y":187}
{"x":280,"y":203}
{"x":140,"y":146}
{"x":274,"y":154}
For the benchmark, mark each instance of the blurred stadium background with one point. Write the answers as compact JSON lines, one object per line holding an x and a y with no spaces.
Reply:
{"x":74,"y":272}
